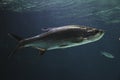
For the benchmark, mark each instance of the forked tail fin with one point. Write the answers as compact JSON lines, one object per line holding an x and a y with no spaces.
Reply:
{"x":15,"y":36}
{"x":14,"y":51}
{"x":19,"y":39}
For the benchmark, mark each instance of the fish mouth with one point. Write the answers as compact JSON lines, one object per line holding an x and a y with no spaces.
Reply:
{"x":101,"y":31}
{"x":99,"y":35}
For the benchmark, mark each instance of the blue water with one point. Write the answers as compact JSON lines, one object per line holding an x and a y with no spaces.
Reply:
{"x":78,"y":63}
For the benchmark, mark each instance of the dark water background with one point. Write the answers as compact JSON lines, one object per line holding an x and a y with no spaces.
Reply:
{"x":78,"y":63}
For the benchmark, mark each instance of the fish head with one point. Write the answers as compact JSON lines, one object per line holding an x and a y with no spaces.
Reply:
{"x":94,"y":34}
{"x":90,"y":34}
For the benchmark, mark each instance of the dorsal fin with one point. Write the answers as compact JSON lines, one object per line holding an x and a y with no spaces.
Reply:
{"x":46,"y":29}
{"x":15,"y":37}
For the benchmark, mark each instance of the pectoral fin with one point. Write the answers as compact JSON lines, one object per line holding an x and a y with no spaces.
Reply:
{"x":63,"y":45}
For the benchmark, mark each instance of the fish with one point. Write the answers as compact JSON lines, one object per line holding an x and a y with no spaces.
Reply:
{"x":59,"y":38}
{"x":108,"y":55}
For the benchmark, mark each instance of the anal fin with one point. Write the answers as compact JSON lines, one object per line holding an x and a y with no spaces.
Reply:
{"x":42,"y":51}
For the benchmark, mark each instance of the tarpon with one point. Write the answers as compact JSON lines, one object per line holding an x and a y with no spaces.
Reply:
{"x":60,"y":37}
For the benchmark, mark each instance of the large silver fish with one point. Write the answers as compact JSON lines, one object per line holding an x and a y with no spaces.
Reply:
{"x":60,"y":37}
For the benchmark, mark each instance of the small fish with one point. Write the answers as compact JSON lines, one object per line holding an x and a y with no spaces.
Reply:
{"x":108,"y":55}
{"x":60,"y":37}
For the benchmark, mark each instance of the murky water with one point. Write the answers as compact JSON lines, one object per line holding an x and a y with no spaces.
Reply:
{"x":26,"y":18}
